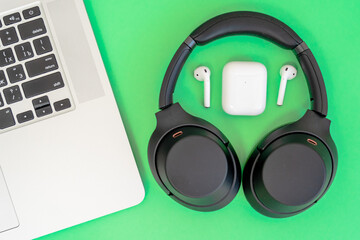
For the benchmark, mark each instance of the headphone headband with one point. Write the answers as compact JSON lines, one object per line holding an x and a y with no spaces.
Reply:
{"x":252,"y":23}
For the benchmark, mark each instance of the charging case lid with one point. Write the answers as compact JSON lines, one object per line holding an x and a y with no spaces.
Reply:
{"x":244,"y":88}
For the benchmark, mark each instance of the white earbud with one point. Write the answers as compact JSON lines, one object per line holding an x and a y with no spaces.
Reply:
{"x":287,"y":72}
{"x":203,"y":74}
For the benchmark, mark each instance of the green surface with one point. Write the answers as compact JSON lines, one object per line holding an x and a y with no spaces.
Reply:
{"x":137,"y":40}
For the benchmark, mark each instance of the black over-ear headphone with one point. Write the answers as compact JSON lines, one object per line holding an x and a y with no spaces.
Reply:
{"x":195,"y":164}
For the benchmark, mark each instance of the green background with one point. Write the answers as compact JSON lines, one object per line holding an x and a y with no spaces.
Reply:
{"x":137,"y":40}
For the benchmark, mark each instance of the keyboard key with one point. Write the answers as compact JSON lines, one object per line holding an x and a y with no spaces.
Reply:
{"x":31,"y":12}
{"x":41,"y":65}
{"x":12,"y":94}
{"x":6,"y":57}
{"x":62,"y":104}
{"x":8,"y":36}
{"x":42,"y":85}
{"x":42,"y":45}
{"x":32,"y":29}
{"x":6,"y":118}
{"x":43,"y":111}
{"x":24,"y":51}
{"x":42,"y":106}
{"x":16,"y":73}
{"x":40,"y":102}
{"x":25,"y":116}
{"x":3,"y":81}
{"x":12,"y":18}
{"x":1,"y":101}
{"x":0,"y":24}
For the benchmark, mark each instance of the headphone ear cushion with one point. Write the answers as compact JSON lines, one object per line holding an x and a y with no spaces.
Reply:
{"x":288,"y":176}
{"x":198,"y":169}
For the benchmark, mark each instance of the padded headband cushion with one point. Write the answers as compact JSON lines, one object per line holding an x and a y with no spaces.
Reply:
{"x":247,"y":23}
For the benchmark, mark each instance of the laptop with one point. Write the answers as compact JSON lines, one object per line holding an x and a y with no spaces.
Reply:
{"x":64,"y":155}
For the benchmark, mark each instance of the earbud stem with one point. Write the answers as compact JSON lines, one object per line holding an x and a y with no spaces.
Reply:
{"x":207,"y":93}
{"x":282,"y":90}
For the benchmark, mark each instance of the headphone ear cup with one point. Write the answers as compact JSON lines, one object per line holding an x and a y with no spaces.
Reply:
{"x":290,"y":170}
{"x":200,"y":171}
{"x":193,"y":162}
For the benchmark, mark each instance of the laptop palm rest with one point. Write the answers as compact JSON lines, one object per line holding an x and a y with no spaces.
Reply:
{"x":8,"y":218}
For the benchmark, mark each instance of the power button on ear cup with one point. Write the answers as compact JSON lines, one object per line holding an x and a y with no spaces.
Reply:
{"x":198,"y":168}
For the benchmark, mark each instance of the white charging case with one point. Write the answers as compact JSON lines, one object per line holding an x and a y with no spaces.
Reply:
{"x":244,"y":88}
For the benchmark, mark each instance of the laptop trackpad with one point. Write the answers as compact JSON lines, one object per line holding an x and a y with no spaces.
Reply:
{"x":8,"y":218}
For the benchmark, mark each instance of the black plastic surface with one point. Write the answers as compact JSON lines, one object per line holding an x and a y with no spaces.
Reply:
{"x":246,"y":23}
{"x":315,"y":81}
{"x":293,"y":174}
{"x":292,"y":168}
{"x":196,"y":165}
{"x":192,"y":161}
{"x":172,"y":74}
{"x":197,"y":168}
{"x":311,"y":123}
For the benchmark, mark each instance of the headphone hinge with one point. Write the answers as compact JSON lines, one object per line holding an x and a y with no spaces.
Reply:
{"x":190,"y":42}
{"x":301,"y":48}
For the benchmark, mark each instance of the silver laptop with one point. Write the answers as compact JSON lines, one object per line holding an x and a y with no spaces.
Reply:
{"x":64,"y":155}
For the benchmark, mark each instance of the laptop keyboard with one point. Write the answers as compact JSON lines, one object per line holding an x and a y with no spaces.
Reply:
{"x":32,"y":82}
